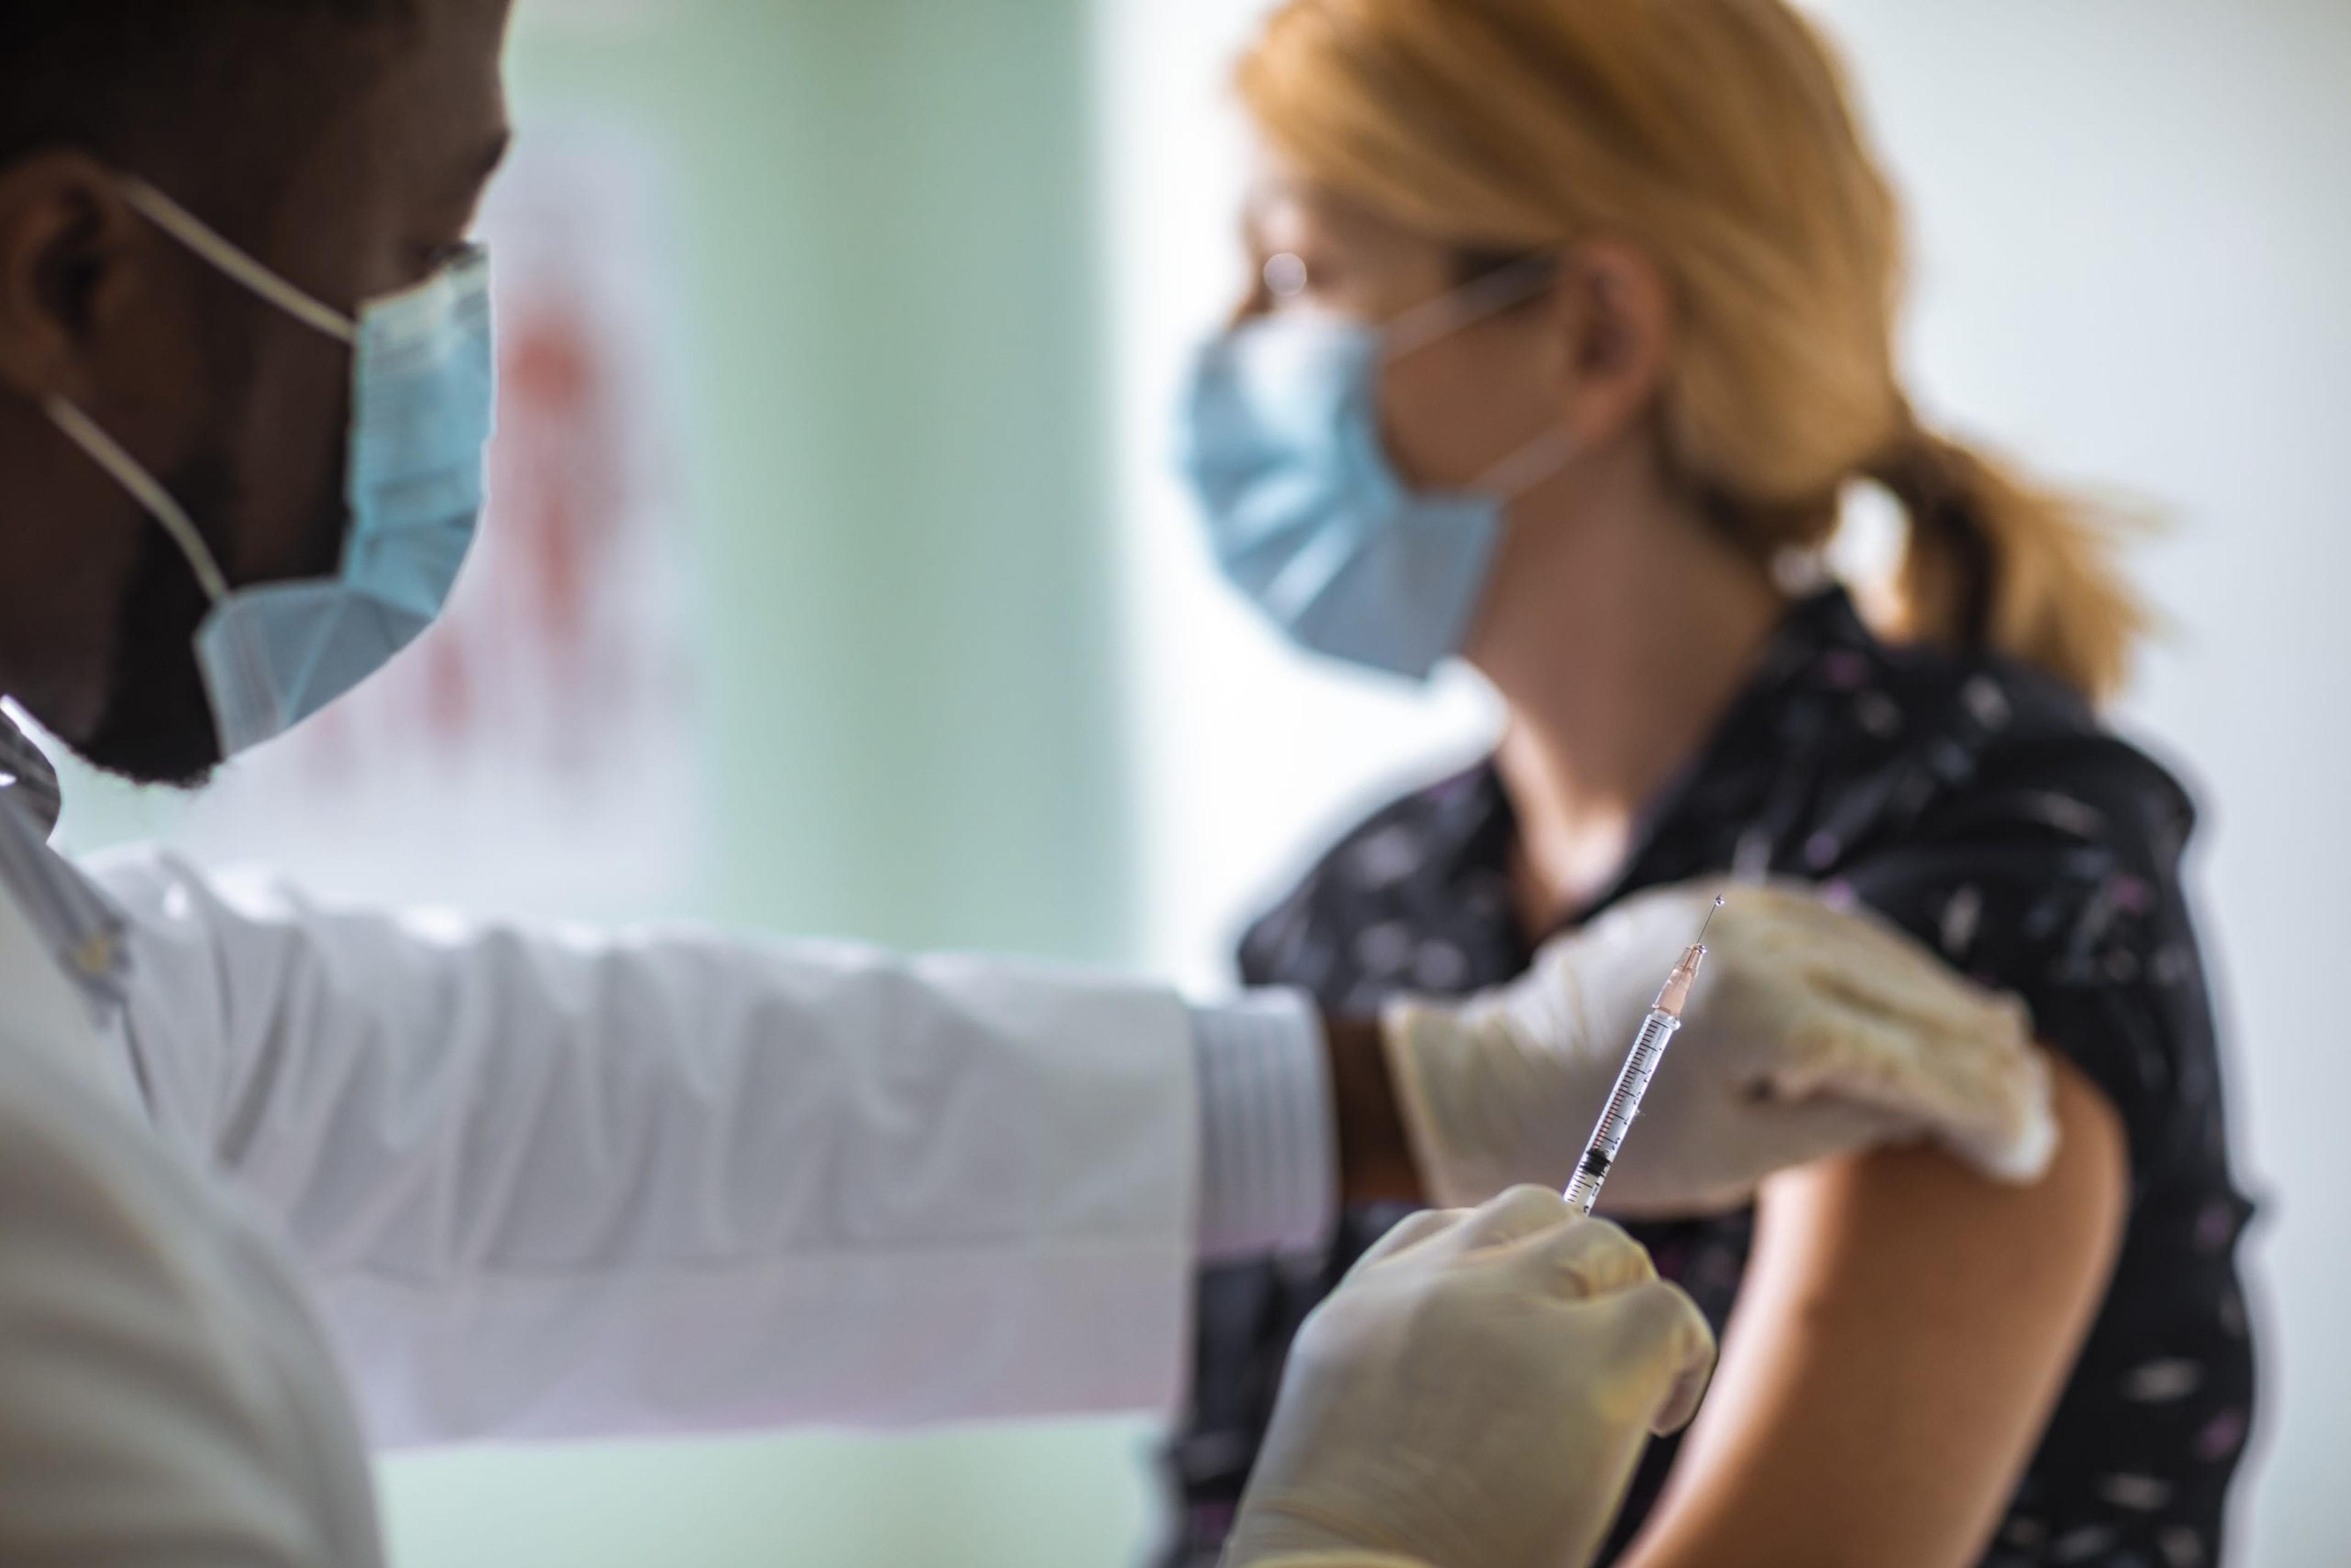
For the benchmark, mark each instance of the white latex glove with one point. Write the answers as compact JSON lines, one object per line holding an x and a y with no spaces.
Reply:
{"x":1474,"y":1395}
{"x":1811,"y":1033}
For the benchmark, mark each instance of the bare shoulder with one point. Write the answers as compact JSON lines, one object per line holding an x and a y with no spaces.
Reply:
{"x":1890,"y":1221}
{"x":1904,"y":1332}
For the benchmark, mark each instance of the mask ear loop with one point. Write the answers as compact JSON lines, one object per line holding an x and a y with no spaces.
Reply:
{"x":106,"y":452}
{"x":1497,"y":291}
{"x":160,"y":504}
{"x":207,"y":242}
{"x":1527,"y":467}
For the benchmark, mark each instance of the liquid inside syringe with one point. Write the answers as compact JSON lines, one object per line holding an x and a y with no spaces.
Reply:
{"x":1623,"y":1105}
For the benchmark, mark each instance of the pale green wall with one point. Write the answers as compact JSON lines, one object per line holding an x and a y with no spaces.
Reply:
{"x":1066,"y":1496}
{"x":887,"y":246}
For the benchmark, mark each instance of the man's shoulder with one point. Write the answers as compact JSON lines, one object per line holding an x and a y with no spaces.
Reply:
{"x":148,"y":1333}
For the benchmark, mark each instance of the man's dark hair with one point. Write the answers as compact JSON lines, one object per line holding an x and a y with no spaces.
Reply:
{"x":201,"y":84}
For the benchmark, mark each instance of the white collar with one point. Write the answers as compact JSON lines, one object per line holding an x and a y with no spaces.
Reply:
{"x":81,"y":930}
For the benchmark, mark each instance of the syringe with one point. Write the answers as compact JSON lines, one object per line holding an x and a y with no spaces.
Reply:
{"x":1624,"y":1100}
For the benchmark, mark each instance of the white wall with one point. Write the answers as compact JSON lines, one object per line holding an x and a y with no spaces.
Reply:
{"x":2133,"y":220}
{"x":1246,"y":754}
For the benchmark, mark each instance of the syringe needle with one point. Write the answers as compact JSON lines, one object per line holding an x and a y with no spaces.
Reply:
{"x":1710,"y":917}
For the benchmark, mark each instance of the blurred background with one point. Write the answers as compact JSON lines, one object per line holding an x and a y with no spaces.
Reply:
{"x":836,"y":584}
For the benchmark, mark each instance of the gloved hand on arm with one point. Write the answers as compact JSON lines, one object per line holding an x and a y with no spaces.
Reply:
{"x":1812,"y":1032}
{"x":1474,"y":1395}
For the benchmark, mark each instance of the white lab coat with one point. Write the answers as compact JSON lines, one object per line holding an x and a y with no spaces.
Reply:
{"x":165,"y":1394}
{"x":540,"y":1183}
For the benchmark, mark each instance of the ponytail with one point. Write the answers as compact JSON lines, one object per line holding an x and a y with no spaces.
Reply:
{"x":1718,"y":136}
{"x":1995,"y":561}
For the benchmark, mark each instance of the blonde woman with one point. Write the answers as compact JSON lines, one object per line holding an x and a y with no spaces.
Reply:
{"x":1575,"y":321}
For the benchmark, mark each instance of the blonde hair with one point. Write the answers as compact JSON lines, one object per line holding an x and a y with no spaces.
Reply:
{"x":1718,"y":137}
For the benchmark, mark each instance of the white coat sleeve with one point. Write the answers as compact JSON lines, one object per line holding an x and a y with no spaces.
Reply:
{"x":545,"y":1183}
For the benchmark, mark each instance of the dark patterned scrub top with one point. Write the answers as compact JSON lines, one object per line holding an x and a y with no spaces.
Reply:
{"x":1980,"y":806}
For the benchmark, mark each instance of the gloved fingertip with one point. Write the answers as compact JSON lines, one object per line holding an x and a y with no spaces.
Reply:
{"x":2024,"y":1157}
{"x":1680,"y":1407}
{"x":1688,"y":1390}
{"x":1668,"y":1326}
{"x":2021,"y":1149}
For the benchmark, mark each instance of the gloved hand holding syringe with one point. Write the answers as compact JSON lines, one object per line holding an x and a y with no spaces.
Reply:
{"x":1665,"y":1016}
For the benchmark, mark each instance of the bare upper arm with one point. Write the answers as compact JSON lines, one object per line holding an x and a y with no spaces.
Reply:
{"x":1903,"y":1332}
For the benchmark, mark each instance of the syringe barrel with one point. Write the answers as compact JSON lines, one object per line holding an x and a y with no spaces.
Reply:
{"x":1623,"y":1105}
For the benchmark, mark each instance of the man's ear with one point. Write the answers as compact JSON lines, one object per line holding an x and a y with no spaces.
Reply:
{"x":1615,"y":318}
{"x":71,"y":250}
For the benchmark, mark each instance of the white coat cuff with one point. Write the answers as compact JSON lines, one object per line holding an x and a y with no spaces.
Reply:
{"x":1269,"y":1146}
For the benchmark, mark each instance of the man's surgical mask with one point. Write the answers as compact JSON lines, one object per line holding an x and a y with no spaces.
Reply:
{"x":1307,"y":516}
{"x":273,"y":653}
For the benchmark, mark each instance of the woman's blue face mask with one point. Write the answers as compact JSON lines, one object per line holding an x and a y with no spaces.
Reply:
{"x":273,"y":653}
{"x":1305,"y":513}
